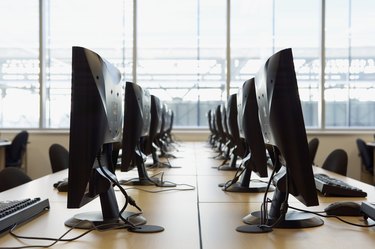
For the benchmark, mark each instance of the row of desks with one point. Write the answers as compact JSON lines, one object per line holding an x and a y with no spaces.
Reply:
{"x":205,"y":217}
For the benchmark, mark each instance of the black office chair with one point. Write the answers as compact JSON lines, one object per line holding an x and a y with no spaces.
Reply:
{"x":59,"y":157}
{"x":337,"y":161}
{"x":367,"y":155}
{"x":15,"y":152}
{"x":12,"y":177}
{"x":313,"y":148}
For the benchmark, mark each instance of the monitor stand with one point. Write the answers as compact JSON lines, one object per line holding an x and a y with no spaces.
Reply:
{"x":277,"y":219}
{"x":231,"y":166}
{"x":246,"y":185}
{"x":109,"y":215}
{"x":143,"y":178}
{"x":156,"y":163}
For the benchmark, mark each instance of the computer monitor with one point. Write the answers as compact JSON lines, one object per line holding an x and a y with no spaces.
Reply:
{"x":234,"y":145}
{"x":219,"y":126}
{"x":283,"y":128}
{"x":249,"y":135}
{"x":137,"y":120}
{"x":137,"y":117}
{"x":95,"y":124}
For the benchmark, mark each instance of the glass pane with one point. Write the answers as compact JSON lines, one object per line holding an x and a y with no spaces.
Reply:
{"x":93,"y":24}
{"x":251,"y":38}
{"x":297,"y":25}
{"x":261,"y":28}
{"x":362,"y":64}
{"x":350,"y":69}
{"x":181,"y":55}
{"x":19,"y":74}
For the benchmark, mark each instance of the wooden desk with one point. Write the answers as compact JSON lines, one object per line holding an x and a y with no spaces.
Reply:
{"x":3,"y":144}
{"x":203,"y":218}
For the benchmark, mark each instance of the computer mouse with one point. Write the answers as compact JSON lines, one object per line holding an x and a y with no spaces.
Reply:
{"x":62,"y":186}
{"x":344,"y":208}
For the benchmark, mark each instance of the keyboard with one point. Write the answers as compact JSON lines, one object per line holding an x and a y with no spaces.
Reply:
{"x":329,"y":186}
{"x":20,"y":211}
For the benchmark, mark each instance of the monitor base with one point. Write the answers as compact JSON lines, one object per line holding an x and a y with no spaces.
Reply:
{"x":147,"y":182}
{"x":227,"y":167}
{"x":293,"y":219}
{"x":161,"y":165}
{"x":90,"y":220}
{"x":255,"y":187}
{"x":146,"y":229}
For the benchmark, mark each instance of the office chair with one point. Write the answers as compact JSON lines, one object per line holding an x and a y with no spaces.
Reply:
{"x":16,"y":150}
{"x":366,"y":154}
{"x":58,"y":157}
{"x":313,"y":148}
{"x":336,"y":161}
{"x":12,"y":177}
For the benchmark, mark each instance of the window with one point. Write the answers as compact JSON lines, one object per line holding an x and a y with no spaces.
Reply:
{"x":179,"y":53}
{"x":261,"y":28}
{"x":19,"y":62}
{"x":251,"y":38}
{"x":93,"y":24}
{"x":350,"y":64}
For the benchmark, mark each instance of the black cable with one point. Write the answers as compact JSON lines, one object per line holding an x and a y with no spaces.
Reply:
{"x":191,"y":187}
{"x":331,"y":216}
{"x":61,"y":238}
{"x":264,"y":207}
{"x":128,"y":199}
{"x":237,"y":175}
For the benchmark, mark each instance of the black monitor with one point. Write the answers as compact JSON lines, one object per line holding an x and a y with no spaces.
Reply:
{"x":283,"y":128}
{"x":219,"y":126}
{"x":95,"y":124}
{"x":137,"y":120}
{"x":234,"y":146}
{"x":250,"y":139}
{"x":137,"y":117}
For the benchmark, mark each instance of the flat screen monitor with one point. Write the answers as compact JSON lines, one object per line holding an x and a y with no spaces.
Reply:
{"x":137,"y":121}
{"x":234,"y":146}
{"x":219,"y":126}
{"x":95,"y":124}
{"x":251,"y":139}
{"x":283,"y":128}
{"x":137,"y":117}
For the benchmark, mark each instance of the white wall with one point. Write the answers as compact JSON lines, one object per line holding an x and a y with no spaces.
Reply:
{"x":39,"y":142}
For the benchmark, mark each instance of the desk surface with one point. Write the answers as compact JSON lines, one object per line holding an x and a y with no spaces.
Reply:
{"x":202,"y":218}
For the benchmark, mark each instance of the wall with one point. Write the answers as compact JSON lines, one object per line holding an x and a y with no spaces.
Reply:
{"x":39,"y":142}
{"x":37,"y":150}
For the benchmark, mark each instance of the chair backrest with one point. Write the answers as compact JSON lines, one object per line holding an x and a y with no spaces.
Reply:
{"x":366,"y":153}
{"x":12,"y":177}
{"x":15,"y":151}
{"x":59,"y":157}
{"x":313,"y":148}
{"x":337,"y":161}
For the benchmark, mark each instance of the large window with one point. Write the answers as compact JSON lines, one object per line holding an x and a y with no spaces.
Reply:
{"x":93,"y":24}
{"x":19,"y":62}
{"x":181,"y":55}
{"x":181,"y":51}
{"x":350,"y":64}
{"x":261,"y":28}
{"x":251,"y":42}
